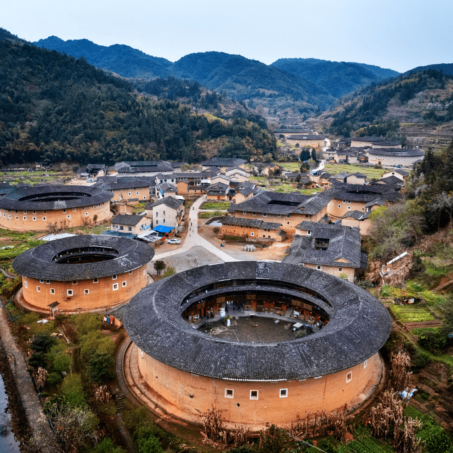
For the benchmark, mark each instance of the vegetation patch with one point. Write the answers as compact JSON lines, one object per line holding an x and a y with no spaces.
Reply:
{"x":208,"y":215}
{"x":215,"y":206}
{"x":370,"y":172}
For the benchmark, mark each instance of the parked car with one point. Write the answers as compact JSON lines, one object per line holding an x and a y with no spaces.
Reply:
{"x":173,"y":241}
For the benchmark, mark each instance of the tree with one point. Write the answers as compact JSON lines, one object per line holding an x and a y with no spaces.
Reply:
{"x":87,"y":322}
{"x":98,"y":367}
{"x":159,"y":266}
{"x":42,"y":342}
{"x":169,"y":271}
{"x":216,"y":230}
{"x":447,"y":322}
{"x":304,"y":167}
{"x":107,"y":446}
{"x":305,"y":155}
{"x":186,"y":167}
{"x":313,"y":155}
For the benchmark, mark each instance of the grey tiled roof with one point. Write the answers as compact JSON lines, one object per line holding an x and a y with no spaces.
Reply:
{"x":115,"y":183}
{"x":358,"y":215}
{"x":171,"y":202}
{"x":38,"y":262}
{"x":167,"y":187}
{"x":218,"y":188}
{"x":250,"y":223}
{"x":282,"y":203}
{"x":65,"y":197}
{"x":364,"y":193}
{"x":223,"y":162}
{"x":391,"y":180}
{"x":396,"y":152}
{"x":126,"y":219}
{"x":359,"y":325}
{"x":344,"y":243}
{"x":305,"y":137}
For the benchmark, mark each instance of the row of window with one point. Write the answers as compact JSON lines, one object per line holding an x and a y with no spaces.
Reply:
{"x":70,"y":292}
{"x":34,"y":218}
{"x":45,"y":212}
{"x":283,"y":393}
{"x":265,"y":215}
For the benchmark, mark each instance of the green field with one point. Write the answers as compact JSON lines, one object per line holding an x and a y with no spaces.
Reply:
{"x":370,"y":172}
{"x":411,"y":313}
{"x":208,"y":215}
{"x":212,"y":206}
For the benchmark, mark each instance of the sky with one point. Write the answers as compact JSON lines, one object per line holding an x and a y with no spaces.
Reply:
{"x":396,"y":34}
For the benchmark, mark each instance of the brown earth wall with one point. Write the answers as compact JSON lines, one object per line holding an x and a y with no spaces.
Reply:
{"x":230,"y":230}
{"x":100,"y":294}
{"x":338,"y":212}
{"x":43,"y":218}
{"x":334,"y":270}
{"x":123,"y":194}
{"x":186,"y":395}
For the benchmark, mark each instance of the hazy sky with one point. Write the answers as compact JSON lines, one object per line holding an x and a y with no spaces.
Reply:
{"x":397,"y":34}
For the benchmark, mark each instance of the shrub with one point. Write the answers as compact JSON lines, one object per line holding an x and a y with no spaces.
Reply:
{"x":29,"y":318}
{"x":87,"y":322}
{"x":38,"y":359}
{"x":301,"y":334}
{"x":169,"y":272}
{"x":137,"y":417}
{"x":433,"y":341}
{"x":437,"y":440}
{"x":72,"y":389}
{"x":42,"y":342}
{"x":96,"y":341}
{"x":54,"y":378}
{"x":62,"y":362}
{"x":98,"y":366}
{"x":107,"y":446}
{"x":421,"y":359}
{"x":147,"y":442}
{"x":216,"y":230}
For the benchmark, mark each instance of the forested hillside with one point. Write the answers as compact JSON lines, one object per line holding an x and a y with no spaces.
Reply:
{"x":338,"y":78}
{"x":54,"y":107}
{"x":424,"y":97}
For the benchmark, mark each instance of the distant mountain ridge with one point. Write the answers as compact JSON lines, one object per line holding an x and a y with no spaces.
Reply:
{"x":446,"y":68}
{"x":338,"y":78}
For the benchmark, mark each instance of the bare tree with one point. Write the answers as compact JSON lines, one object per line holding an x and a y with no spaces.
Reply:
{"x":41,"y":377}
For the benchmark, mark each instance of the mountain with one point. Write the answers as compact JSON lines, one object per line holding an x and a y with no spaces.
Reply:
{"x":121,"y":59}
{"x":54,"y":107}
{"x":416,"y":106}
{"x":338,"y":78}
{"x":446,"y":68}
{"x":5,"y":34}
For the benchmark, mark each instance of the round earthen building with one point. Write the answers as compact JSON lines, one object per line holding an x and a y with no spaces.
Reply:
{"x":253,"y":364}
{"x":83,"y":273}
{"x":34,"y":208}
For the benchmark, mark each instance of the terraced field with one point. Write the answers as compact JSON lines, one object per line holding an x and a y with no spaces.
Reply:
{"x":411,"y":313}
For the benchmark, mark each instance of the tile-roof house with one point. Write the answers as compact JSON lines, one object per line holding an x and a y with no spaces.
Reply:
{"x":393,"y":180}
{"x":356,"y":178}
{"x":165,"y":189}
{"x":223,"y":162}
{"x":218,"y":191}
{"x":286,"y":208}
{"x":251,"y":229}
{"x":332,"y":248}
{"x":135,"y":224}
{"x":167,"y":211}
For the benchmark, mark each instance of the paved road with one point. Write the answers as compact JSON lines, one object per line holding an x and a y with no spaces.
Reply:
{"x":193,"y":239}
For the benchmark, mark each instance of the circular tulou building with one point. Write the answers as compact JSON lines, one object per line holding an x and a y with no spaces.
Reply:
{"x":256,"y":370}
{"x":83,"y":273}
{"x":33,"y":208}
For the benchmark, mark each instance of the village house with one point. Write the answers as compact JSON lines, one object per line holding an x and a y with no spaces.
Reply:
{"x":133,"y":224}
{"x":313,"y":141}
{"x":394,"y":157}
{"x":357,"y":219}
{"x":373,"y":142}
{"x":223,"y":163}
{"x":126,"y":189}
{"x":333,"y":249}
{"x":165,"y":189}
{"x":287,"y":132}
{"x":356,"y":178}
{"x":399,"y":173}
{"x":252,"y":229}
{"x":168,"y":212}
{"x":289,"y":209}
{"x":218,"y":191}
{"x":242,"y":192}
{"x":392,"y":180}
{"x":146,"y":168}
{"x":356,"y":197}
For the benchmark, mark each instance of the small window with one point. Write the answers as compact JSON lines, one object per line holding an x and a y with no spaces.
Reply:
{"x":17,"y":218}
{"x":68,"y":216}
{"x":69,"y":292}
{"x":95,"y":280}
{"x":74,"y":282}
{"x":47,"y":282}
{"x":130,"y":272}
{"x":243,"y":212}
{"x":349,"y":208}
{"x":365,"y":364}
{"x":349,"y":202}
{"x":64,"y":210}
{"x":288,"y":216}
{"x":283,"y":393}
{"x":254,"y":213}
{"x":25,"y":218}
{"x":319,"y":268}
{"x":41,"y":281}
{"x":264,"y":215}
{"x":25,"y":212}
{"x":344,"y":201}
{"x":339,"y":205}
{"x":38,"y":288}
{"x":144,"y":271}
{"x":86,"y":291}
{"x":229,"y":393}
{"x":136,"y":193}
{"x":86,"y":213}
{"x":52,"y":291}
{"x":252,"y":234}
{"x":308,"y":232}
{"x":129,"y":228}
{"x":144,"y":197}
{"x":9,"y":217}
{"x":44,"y":212}
{"x":129,"y":193}
{"x":340,"y":269}
{"x":74,"y":209}
{"x":34,"y":219}
{"x":44,"y":218}
{"x":115,"y":286}
{"x":124,"y":284}
{"x":349,"y":377}
{"x":114,"y":277}
{"x":34,"y":212}
{"x":26,"y":284}
{"x":253,"y":394}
